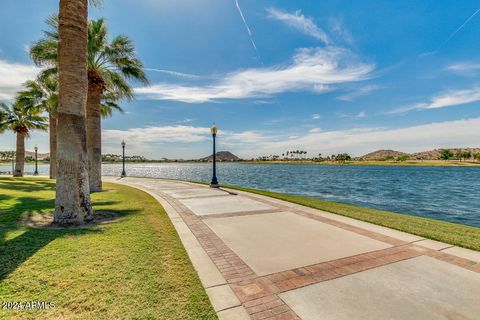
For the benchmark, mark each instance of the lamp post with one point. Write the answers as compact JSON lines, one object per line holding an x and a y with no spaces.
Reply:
{"x":13,"y":162}
{"x":124,"y":174}
{"x":214,"y":183}
{"x":36,"y":161}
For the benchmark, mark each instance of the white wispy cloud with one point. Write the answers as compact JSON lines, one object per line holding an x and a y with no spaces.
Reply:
{"x":12,"y":77}
{"x":443,"y":100}
{"x":298,"y":21}
{"x":311,"y":69}
{"x":186,"y":120}
{"x":357,"y":116}
{"x":340,"y":31}
{"x":174,"y":73}
{"x":464,"y":68}
{"x":156,"y":134}
{"x":358,"y":92}
{"x":249,"y":31}
{"x":316,"y":116}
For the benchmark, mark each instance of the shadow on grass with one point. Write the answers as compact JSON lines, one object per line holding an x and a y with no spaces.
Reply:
{"x":27,"y":185}
{"x":18,"y":249}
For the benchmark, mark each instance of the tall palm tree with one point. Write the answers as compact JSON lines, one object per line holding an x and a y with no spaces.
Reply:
{"x":72,"y":202}
{"x":21,"y":119}
{"x":42,"y":94}
{"x":110,"y":66}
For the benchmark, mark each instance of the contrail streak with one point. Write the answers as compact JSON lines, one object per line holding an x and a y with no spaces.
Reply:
{"x":458,"y":30}
{"x":463,"y":25}
{"x":248,"y":31}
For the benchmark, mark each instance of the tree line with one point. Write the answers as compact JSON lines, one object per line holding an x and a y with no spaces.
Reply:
{"x":302,"y":155}
{"x":448,"y":154}
{"x":85,"y":75}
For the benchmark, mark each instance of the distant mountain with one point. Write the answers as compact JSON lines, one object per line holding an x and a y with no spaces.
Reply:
{"x":435,"y":154}
{"x":382,"y":155}
{"x":41,"y":156}
{"x":424,"y":155}
{"x":222,"y":156}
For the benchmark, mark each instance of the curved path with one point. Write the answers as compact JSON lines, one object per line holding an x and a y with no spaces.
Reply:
{"x":263,"y":258}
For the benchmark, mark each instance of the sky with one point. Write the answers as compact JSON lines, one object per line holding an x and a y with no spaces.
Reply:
{"x":278,"y":75}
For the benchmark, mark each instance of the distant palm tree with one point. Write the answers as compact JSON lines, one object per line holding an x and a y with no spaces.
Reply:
{"x":21,"y":119}
{"x":110,"y":65}
{"x":42,"y":94}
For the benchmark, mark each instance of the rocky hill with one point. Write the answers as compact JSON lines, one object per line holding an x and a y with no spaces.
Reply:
{"x":424,"y":155}
{"x":382,"y":155}
{"x":41,"y":156}
{"x":435,"y":154}
{"x":222,"y":156}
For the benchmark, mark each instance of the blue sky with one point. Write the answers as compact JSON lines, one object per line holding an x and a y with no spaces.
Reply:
{"x":322,"y":76}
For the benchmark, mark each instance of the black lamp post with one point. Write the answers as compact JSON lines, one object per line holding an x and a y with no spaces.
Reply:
{"x":36,"y":161}
{"x":124,"y":174}
{"x":13,"y":162}
{"x":214,"y":183}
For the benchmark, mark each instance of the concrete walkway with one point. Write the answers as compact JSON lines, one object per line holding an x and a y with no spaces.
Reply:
{"x":262,"y":258}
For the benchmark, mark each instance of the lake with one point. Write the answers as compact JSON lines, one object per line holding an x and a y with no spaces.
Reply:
{"x":443,"y":193}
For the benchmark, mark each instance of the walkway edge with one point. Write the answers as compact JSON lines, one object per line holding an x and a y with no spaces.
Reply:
{"x":215,"y":285}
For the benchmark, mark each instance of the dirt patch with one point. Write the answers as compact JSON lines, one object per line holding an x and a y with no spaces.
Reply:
{"x":45,"y":220}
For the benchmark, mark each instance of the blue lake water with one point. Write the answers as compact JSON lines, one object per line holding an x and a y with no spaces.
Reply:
{"x":443,"y":193}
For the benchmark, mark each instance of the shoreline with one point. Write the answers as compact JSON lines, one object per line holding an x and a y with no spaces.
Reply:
{"x":409,"y":163}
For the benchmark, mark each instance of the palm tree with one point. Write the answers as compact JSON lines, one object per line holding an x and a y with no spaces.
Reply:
{"x":110,"y":66}
{"x":21,"y":119}
{"x":42,"y":94}
{"x":72,"y":202}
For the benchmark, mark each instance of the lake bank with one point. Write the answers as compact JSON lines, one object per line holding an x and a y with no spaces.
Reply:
{"x":437,"y":192}
{"x":417,"y":163}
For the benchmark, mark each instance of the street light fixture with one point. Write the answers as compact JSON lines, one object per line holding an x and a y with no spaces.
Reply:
{"x":13,"y":163}
{"x":214,"y":183}
{"x":36,"y":161}
{"x":124,"y":174}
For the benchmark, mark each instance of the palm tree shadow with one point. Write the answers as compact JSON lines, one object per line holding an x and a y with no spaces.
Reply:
{"x":27,"y":185}
{"x":16,"y":251}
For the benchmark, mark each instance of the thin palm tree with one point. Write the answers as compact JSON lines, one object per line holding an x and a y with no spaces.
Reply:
{"x":42,"y":94}
{"x":110,"y":66}
{"x":21,"y":119}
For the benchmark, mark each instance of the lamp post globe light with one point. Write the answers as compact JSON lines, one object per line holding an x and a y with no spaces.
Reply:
{"x":36,"y":161}
{"x":214,"y":183}
{"x":124,"y":174}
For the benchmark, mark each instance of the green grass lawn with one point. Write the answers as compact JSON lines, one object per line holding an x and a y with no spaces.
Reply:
{"x":135,"y":268}
{"x":456,"y":234}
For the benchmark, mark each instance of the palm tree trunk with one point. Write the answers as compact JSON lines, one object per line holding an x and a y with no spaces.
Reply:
{"x":20,"y":155}
{"x":53,"y":144}
{"x":94,"y":139}
{"x":72,"y":203}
